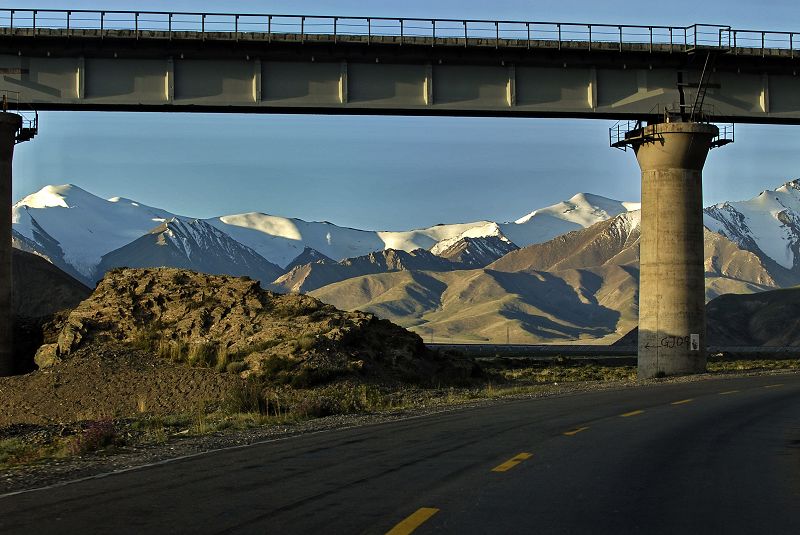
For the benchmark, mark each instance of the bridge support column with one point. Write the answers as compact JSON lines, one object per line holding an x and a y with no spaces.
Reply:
{"x":10,"y":124}
{"x":672,"y":328}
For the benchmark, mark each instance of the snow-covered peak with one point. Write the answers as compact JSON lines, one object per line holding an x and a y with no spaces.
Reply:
{"x":282,"y":239}
{"x":580,"y":211}
{"x":630,"y":221}
{"x":792,"y":187}
{"x":769,"y":222}
{"x":584,"y":209}
{"x":190,"y":235}
{"x":480,"y":231}
{"x":279,"y":227}
{"x":63,"y":196}
{"x":123,"y":200}
{"x":83,"y":226}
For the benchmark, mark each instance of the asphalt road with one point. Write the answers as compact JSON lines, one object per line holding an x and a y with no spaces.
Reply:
{"x":720,"y":456}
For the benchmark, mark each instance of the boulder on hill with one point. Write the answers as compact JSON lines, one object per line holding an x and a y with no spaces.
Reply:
{"x":229,"y":322}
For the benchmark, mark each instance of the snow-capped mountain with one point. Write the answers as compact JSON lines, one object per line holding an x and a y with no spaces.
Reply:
{"x":281,"y":239}
{"x":581,"y":211}
{"x":69,"y":225}
{"x":478,"y":231}
{"x":75,"y":229}
{"x":768,"y":224}
{"x":194,"y":245}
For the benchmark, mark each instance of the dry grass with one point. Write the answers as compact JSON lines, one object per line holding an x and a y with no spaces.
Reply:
{"x":746,"y":365}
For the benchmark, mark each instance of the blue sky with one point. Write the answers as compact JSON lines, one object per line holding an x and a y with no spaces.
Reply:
{"x":388,"y":172}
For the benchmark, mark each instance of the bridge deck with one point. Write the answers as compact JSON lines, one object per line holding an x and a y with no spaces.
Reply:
{"x":267,"y":63}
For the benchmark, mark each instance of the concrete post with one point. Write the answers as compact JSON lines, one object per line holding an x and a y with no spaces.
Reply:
{"x":672,"y":327}
{"x":10,"y":123}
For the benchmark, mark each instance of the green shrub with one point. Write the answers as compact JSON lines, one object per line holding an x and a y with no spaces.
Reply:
{"x":236,"y":367}
{"x":202,"y":354}
{"x":306,"y":342}
{"x":174,"y":350}
{"x":274,"y":365}
{"x":223,"y":359}
{"x":293,"y":309}
{"x":263,"y":346}
{"x":11,"y":450}
{"x":180,"y":278}
{"x":146,"y":339}
{"x":247,"y":396}
{"x":308,"y":376}
{"x":314,"y":405}
{"x":319,"y":315}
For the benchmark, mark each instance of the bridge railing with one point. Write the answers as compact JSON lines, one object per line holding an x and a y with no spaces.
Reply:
{"x":764,"y":40}
{"x":465,"y":31}
{"x":473,"y":32}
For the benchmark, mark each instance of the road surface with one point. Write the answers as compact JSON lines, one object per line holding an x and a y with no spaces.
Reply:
{"x":718,"y":456}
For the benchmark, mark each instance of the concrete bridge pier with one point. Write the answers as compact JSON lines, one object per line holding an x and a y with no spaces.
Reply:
{"x":10,"y":125}
{"x":672,"y":328}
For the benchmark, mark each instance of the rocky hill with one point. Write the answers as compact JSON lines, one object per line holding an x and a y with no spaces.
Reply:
{"x":232,"y":323}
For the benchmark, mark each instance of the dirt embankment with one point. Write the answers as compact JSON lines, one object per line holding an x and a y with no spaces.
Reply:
{"x":99,"y":383}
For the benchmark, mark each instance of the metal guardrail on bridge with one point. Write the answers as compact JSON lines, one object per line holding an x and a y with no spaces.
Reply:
{"x":487,"y":32}
{"x":143,"y":24}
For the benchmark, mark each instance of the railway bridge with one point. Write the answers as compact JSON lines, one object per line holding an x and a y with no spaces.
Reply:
{"x":674,"y":90}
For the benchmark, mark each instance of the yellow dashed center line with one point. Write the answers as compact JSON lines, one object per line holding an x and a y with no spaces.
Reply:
{"x":681,"y":402}
{"x":632,"y":413}
{"x":413,"y":521}
{"x":512,"y":462}
{"x":575,"y":431}
{"x":774,"y":386}
{"x":728,"y":392}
